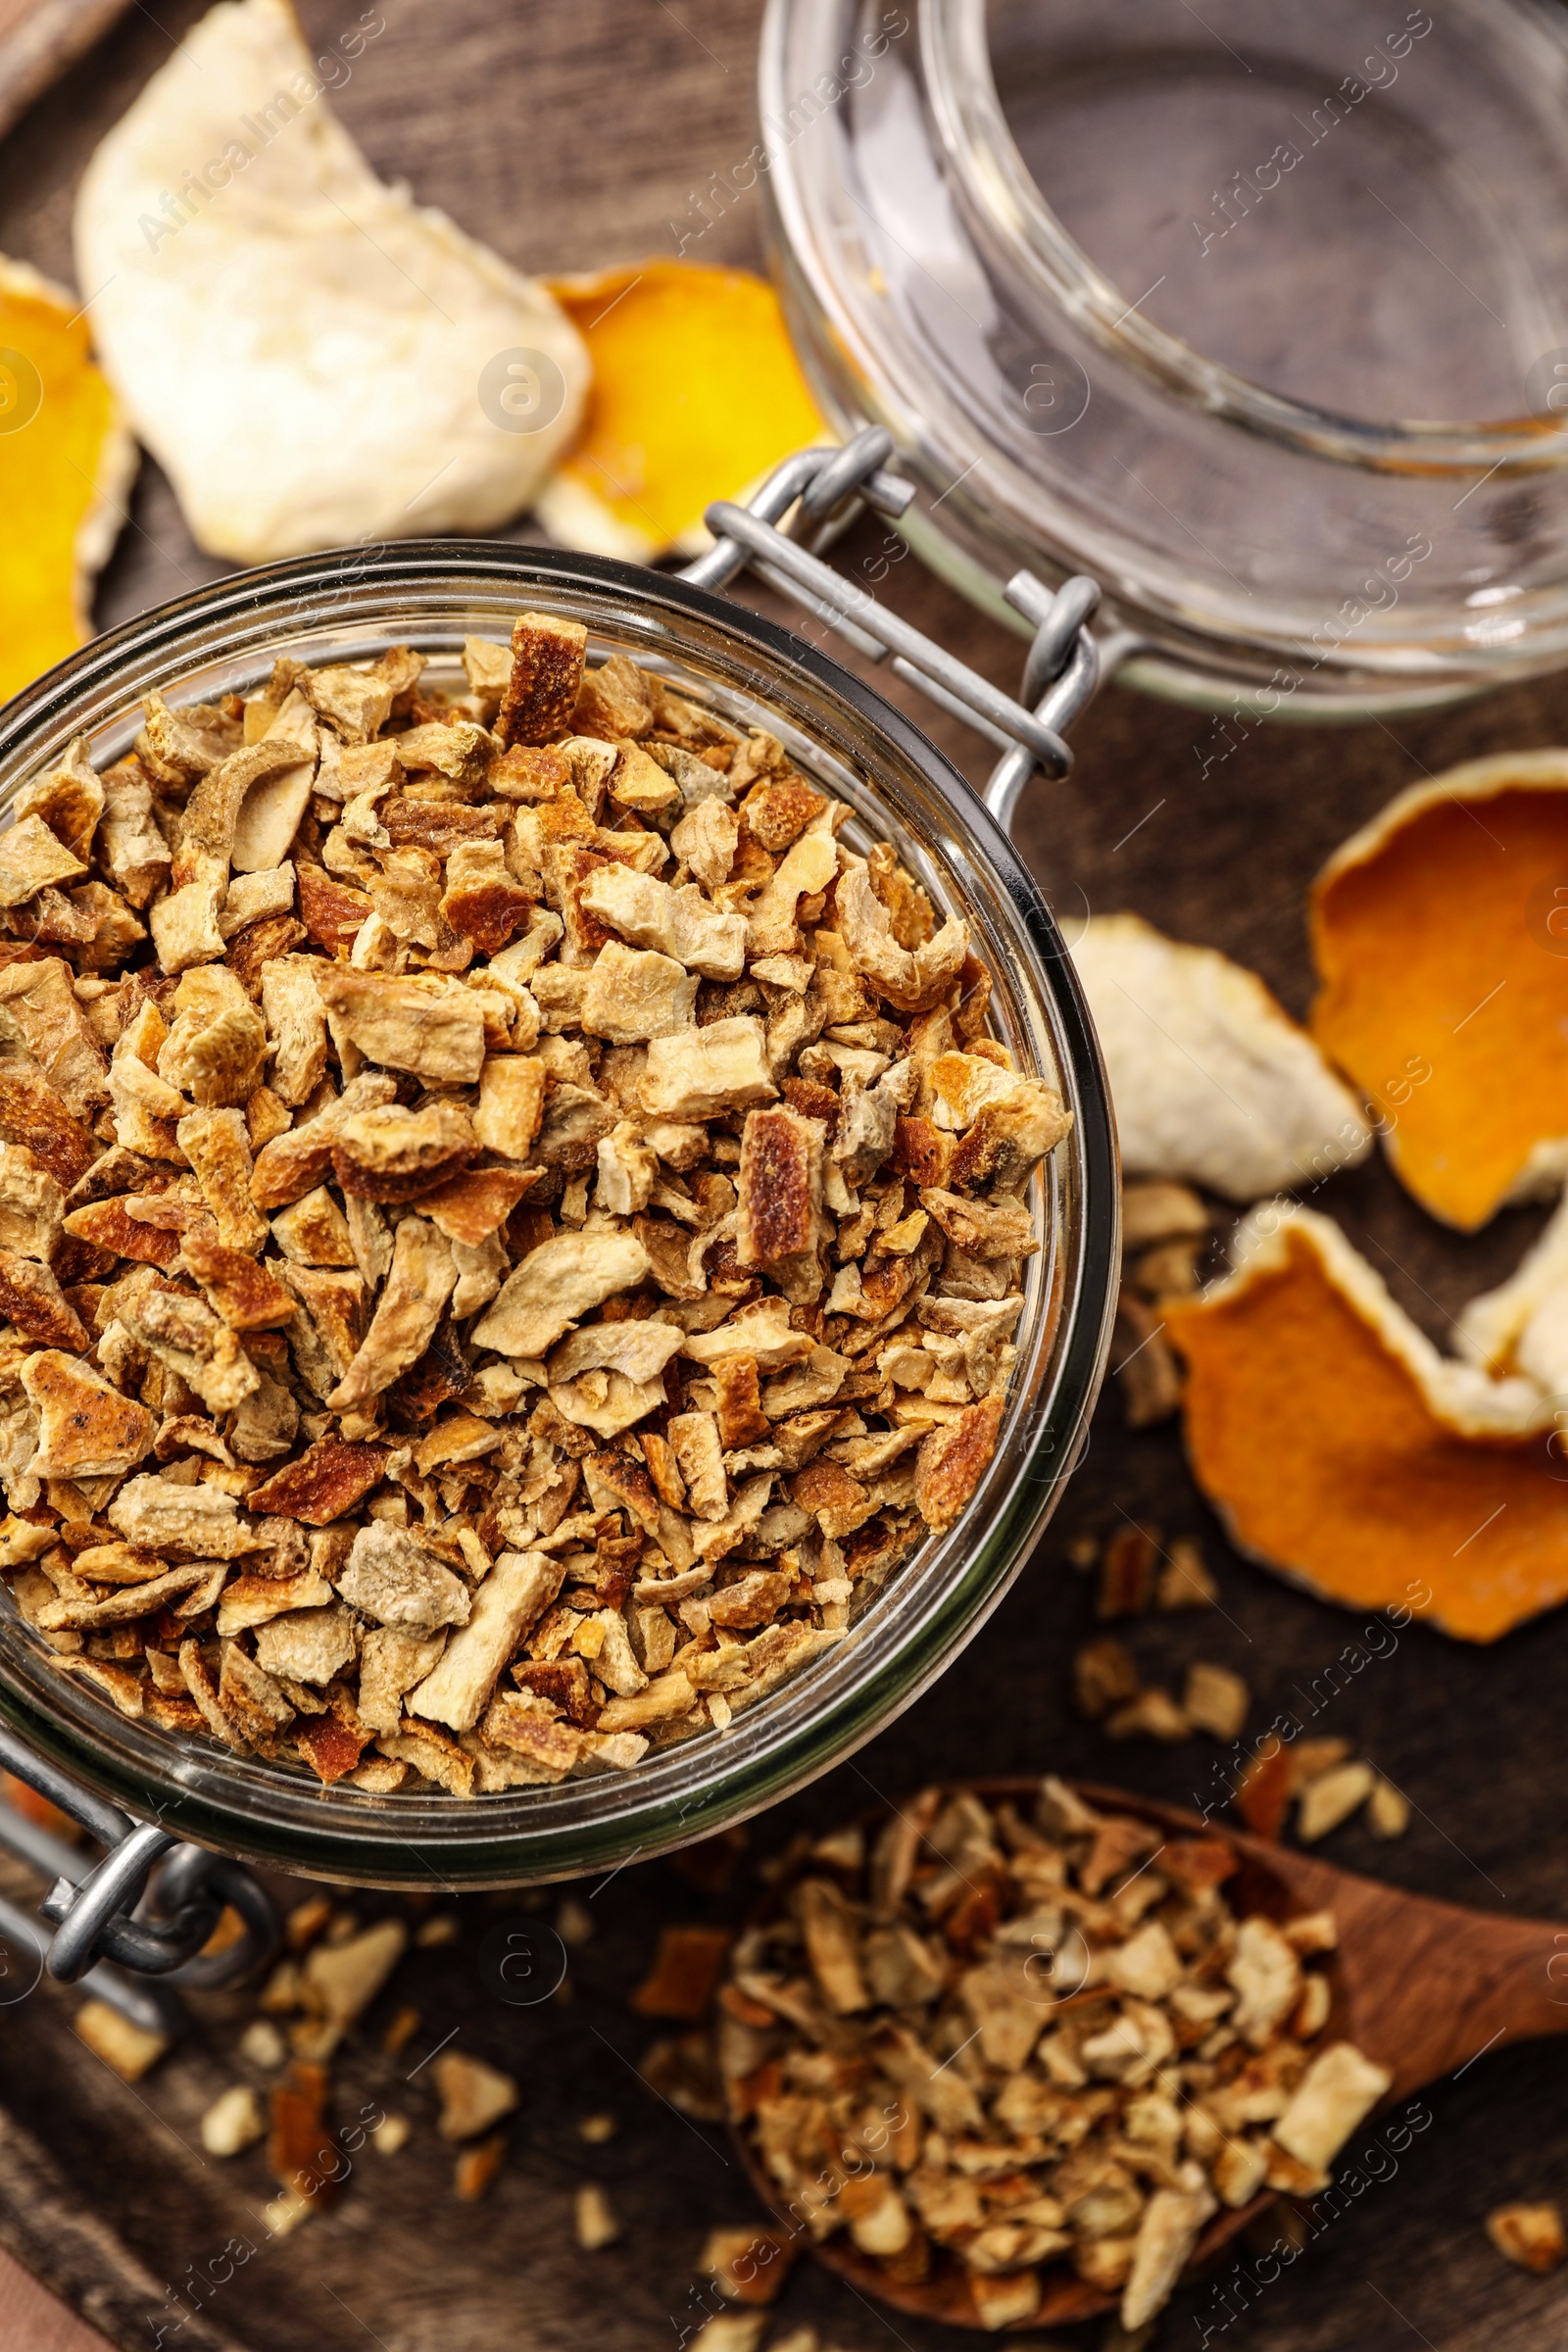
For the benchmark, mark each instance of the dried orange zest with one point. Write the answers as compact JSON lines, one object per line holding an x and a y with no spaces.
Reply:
{"x":1441,"y":938}
{"x":696,"y":394}
{"x":66,"y":465}
{"x":1342,"y":1448}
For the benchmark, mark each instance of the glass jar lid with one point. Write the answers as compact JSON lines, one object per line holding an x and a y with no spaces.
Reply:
{"x":1256,"y":314}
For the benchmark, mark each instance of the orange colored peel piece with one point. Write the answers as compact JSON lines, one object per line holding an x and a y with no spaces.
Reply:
{"x":1341,"y":1448}
{"x":1439,"y":934}
{"x":696,"y":393}
{"x":66,"y":465}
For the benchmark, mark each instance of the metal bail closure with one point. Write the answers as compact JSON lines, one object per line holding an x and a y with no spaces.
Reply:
{"x":149,"y":1906}
{"x":827,"y":487}
{"x":88,"y":1915}
{"x":159,"y":1931}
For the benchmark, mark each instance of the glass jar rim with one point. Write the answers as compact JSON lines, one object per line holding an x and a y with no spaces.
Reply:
{"x":535,"y":1834}
{"x":986,"y":162}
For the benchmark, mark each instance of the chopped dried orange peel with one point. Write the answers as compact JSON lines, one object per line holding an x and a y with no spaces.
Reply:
{"x":66,"y":465}
{"x":696,"y":394}
{"x":1439,"y":933}
{"x":1342,"y":1448}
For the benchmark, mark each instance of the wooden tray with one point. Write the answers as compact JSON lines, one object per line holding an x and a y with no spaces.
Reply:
{"x":39,"y":39}
{"x":500,"y":114}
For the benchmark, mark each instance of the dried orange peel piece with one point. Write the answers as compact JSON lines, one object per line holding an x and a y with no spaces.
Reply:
{"x":1439,"y":933}
{"x":1522,"y":1326}
{"x":696,"y":394}
{"x":312,"y":357}
{"x":1211,"y":1079}
{"x":1343,"y":1450}
{"x":65,"y":468}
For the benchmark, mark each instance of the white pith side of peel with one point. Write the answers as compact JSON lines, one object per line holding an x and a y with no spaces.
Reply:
{"x":1522,"y":1326}
{"x":302,"y":354}
{"x":1211,"y":1078}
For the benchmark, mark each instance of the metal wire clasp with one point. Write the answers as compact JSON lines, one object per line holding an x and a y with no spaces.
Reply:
{"x":1061,"y":674}
{"x":115,"y":1915}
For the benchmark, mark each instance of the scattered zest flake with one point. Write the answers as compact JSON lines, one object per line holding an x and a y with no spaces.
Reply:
{"x":1532,"y":2236}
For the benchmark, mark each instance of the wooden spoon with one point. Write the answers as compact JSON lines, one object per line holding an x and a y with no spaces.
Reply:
{"x":1420,"y":1986}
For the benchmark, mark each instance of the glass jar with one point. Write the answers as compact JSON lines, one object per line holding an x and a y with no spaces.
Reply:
{"x":1256,"y":312}
{"x":351,"y":606}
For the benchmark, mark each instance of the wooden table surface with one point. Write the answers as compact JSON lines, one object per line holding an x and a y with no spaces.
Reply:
{"x":39,"y":39}
{"x":571,"y":137}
